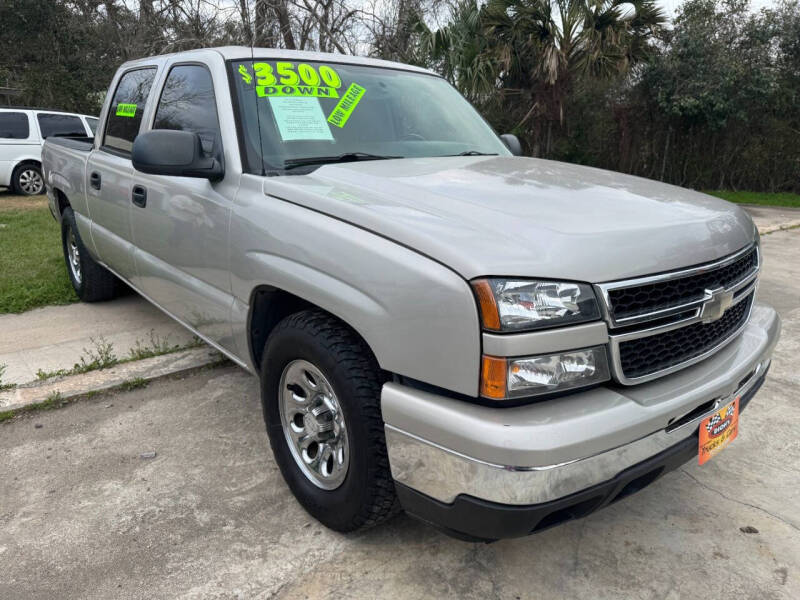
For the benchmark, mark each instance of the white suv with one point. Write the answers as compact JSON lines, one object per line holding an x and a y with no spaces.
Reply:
{"x":22,"y":133}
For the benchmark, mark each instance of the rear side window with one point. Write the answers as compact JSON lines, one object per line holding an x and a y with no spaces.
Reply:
{"x":187,"y":104}
{"x":60,"y":125}
{"x":127,"y":108}
{"x":92,"y":123}
{"x":14,"y":126}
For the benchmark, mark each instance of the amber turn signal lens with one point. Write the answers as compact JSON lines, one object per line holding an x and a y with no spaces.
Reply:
{"x":493,"y":377}
{"x":490,"y":317}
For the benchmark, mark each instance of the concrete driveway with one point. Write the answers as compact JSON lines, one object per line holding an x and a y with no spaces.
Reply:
{"x":83,"y":515}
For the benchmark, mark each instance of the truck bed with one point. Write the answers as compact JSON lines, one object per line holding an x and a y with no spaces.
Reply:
{"x":80,"y":143}
{"x":64,"y":167}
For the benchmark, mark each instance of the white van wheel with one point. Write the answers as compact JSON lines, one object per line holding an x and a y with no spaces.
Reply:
{"x":27,"y":180}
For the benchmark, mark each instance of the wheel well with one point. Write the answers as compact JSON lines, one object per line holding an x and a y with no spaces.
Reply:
{"x":268,"y":307}
{"x":27,"y":161}
{"x":63,"y":201}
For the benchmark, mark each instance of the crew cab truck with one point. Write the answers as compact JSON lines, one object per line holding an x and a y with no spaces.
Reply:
{"x":494,"y":343}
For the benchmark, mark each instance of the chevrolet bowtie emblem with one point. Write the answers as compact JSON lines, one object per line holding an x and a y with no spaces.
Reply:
{"x":715,"y":306}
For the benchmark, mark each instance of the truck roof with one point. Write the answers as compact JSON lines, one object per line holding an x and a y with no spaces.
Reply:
{"x":246,"y":52}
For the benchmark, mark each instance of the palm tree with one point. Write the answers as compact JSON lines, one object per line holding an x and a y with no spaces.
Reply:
{"x":521,"y":58}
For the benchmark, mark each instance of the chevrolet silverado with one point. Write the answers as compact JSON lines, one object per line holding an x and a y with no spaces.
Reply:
{"x":497,"y":344}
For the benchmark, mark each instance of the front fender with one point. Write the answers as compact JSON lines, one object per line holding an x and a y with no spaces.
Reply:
{"x":418,"y":316}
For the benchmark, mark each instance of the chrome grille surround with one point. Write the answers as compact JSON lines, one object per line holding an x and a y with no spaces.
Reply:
{"x":655,"y":322}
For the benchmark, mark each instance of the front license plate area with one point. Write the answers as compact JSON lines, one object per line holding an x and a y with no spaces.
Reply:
{"x":718,"y":430}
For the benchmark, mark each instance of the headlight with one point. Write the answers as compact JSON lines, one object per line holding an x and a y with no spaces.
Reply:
{"x":503,"y":378}
{"x":518,"y":305}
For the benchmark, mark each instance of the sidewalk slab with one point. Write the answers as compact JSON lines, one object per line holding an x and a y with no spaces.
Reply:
{"x":136,"y":372}
{"x":55,"y":337}
{"x":773,"y":218}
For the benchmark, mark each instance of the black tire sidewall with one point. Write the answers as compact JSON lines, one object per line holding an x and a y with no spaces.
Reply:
{"x":338,"y":508}
{"x":68,"y":223}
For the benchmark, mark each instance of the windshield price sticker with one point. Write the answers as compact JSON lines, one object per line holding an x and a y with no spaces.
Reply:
{"x":126,"y":110}
{"x":341,"y":113}
{"x":300,"y":119}
{"x":285,"y":79}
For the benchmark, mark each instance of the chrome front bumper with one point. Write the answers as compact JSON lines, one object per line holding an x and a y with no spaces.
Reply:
{"x":444,"y":448}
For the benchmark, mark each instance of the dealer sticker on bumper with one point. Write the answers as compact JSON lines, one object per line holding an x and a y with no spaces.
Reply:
{"x":718,"y":430}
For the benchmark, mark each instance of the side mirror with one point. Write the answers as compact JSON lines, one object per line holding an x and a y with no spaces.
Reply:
{"x":177,"y":153}
{"x":512,"y":143}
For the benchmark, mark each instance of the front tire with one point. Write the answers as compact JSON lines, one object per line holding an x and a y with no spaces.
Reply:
{"x":27,"y":180}
{"x":320,"y":391}
{"x":91,"y":281}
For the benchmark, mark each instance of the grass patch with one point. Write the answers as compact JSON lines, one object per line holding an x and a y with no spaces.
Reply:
{"x":158,"y":345}
{"x":762,"y":198}
{"x":54,"y":400}
{"x":99,"y":356}
{"x":32,"y":270}
{"x":102,"y":356}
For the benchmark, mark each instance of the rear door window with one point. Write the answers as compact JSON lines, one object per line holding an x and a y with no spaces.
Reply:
{"x":187,"y":104}
{"x":59,"y":125}
{"x":127,"y":108}
{"x":14,"y":126}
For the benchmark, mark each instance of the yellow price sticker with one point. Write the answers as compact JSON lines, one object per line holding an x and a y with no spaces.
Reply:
{"x":270,"y":91}
{"x":282,"y":73}
{"x":126,"y":110}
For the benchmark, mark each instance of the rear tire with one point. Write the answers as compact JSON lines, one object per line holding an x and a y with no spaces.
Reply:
{"x":91,"y":281}
{"x":27,"y":180}
{"x":343,"y":395}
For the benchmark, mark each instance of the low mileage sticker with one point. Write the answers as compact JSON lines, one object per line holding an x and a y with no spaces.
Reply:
{"x":346,"y":105}
{"x":126,"y":110}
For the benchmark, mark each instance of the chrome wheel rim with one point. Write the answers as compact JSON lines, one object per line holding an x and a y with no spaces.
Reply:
{"x":313,"y":425}
{"x":73,"y":256}
{"x":30,"y":181}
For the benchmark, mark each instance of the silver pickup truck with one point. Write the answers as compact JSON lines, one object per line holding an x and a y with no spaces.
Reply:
{"x":496,"y":344}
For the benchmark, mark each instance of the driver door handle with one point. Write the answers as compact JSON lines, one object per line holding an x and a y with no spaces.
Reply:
{"x":94,"y":180}
{"x":139,"y":196}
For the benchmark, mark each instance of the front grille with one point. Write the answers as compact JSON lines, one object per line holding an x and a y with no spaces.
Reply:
{"x":646,"y":355}
{"x":642,"y":299}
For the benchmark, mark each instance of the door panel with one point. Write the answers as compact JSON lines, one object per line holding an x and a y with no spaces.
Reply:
{"x":181,"y":240}
{"x":181,"y":228}
{"x":109,"y":209}
{"x":109,"y":172}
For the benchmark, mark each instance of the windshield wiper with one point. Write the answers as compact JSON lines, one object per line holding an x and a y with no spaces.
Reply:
{"x":341,"y":158}
{"x":474,"y":153}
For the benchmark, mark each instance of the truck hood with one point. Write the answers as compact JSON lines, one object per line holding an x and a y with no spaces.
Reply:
{"x":524,"y":217}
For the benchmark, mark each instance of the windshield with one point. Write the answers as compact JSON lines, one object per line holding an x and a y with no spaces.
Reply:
{"x":329,"y":111}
